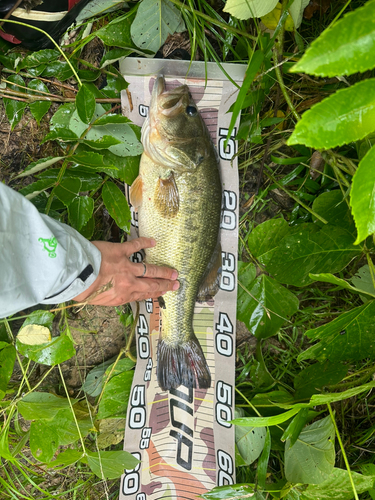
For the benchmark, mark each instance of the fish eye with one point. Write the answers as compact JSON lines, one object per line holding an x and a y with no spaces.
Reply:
{"x":191,"y":110}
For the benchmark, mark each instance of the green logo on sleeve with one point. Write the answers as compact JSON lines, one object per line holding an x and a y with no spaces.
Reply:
{"x":49,"y":245}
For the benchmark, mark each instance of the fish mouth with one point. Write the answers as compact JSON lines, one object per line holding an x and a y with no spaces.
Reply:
{"x":168,"y":102}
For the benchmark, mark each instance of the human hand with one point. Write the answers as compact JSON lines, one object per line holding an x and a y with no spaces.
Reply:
{"x":128,"y":281}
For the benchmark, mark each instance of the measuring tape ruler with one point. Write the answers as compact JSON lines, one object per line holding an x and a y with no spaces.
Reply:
{"x":183,"y":437}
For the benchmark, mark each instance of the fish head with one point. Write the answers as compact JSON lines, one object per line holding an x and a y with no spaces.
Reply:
{"x":175,"y":135}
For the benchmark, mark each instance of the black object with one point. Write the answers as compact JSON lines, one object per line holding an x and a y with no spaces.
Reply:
{"x":52,"y":16}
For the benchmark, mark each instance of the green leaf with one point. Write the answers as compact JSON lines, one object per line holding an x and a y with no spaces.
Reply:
{"x":263,"y":461}
{"x":335,"y":210}
{"x":59,"y":70}
{"x":312,"y":458}
{"x":346,"y":116}
{"x":50,"y":353}
{"x":296,"y":11}
{"x":40,"y":317}
{"x":345,"y":48}
{"x":362,"y":196}
{"x":113,"y":56}
{"x":338,"y":486}
{"x":7,"y":360}
{"x":323,"y":399}
{"x":244,"y":9}
{"x":85,"y":103}
{"x":94,"y":381}
{"x":32,"y":190}
{"x":264,"y":305}
{"x":330,"y":278}
{"x":88,"y":181}
{"x":250,"y":442}
{"x":231,"y":492}
{"x":347,"y":338}
{"x":38,"y":108}
{"x":306,"y":249}
{"x":265,"y":421}
{"x":46,"y":56}
{"x":42,"y":405}
{"x":110,"y":464}
{"x":265,"y":238}
{"x":117,"y":33}
{"x":315,"y":377}
{"x":155,"y":20}
{"x":115,"y":397}
{"x":104,"y":142}
{"x":66,"y":458}
{"x":39,"y":165}
{"x":111,"y":118}
{"x":117,"y":206}
{"x":14,"y":109}
{"x":80,"y":211}
{"x":362,"y":281}
{"x":68,"y":190}
{"x":296,"y":425}
{"x":62,"y":117}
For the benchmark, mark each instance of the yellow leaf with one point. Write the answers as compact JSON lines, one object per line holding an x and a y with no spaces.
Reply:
{"x":271,"y":19}
{"x":34,"y":335}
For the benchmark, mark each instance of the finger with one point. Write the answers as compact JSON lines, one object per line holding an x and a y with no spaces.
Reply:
{"x":138,"y":244}
{"x":153,"y":271}
{"x":157,"y":286}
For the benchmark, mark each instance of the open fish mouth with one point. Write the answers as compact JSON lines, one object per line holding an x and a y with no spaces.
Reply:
{"x":168,"y":102}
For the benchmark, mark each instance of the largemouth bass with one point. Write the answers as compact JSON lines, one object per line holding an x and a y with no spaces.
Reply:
{"x":178,"y":198}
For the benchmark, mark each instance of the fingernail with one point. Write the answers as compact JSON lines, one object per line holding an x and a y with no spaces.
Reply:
{"x":176,"y":286}
{"x":174,"y":275}
{"x":153,"y":242}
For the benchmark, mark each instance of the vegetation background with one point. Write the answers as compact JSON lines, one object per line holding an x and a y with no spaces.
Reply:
{"x":305,"y":372}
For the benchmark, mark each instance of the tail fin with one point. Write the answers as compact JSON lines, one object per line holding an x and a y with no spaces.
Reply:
{"x":183,"y":364}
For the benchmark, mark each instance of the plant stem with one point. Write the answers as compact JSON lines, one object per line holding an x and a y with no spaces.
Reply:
{"x":343,"y":452}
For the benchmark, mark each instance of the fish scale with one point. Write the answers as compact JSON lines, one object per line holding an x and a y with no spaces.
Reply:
{"x":186,"y":238}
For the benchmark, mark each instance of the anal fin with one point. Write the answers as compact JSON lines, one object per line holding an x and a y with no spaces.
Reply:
{"x":167,"y":200}
{"x":211,"y":279}
{"x":136,"y":192}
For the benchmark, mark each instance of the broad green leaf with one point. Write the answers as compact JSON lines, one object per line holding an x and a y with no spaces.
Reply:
{"x":14,"y":109}
{"x":349,"y":337}
{"x":38,"y":108}
{"x":312,"y":457}
{"x":111,"y":118}
{"x":330,"y":278}
{"x":80,"y":211}
{"x":338,"y":486}
{"x":85,"y":104}
{"x":68,"y":190}
{"x":335,"y":210}
{"x":345,"y":48}
{"x":265,"y":421}
{"x":40,"y":317}
{"x":243,"y":9}
{"x":296,"y":11}
{"x":315,"y":377}
{"x":362,"y":196}
{"x":117,"y":33}
{"x":46,"y":56}
{"x":155,"y":20}
{"x":116,"y":204}
{"x":306,"y":249}
{"x":362,"y":281}
{"x":231,"y":492}
{"x":113,"y":56}
{"x":123,"y":365}
{"x":105,"y":142}
{"x":344,"y":117}
{"x":296,"y":425}
{"x":35,"y":188}
{"x":88,"y":181}
{"x":91,"y":161}
{"x":265,"y":237}
{"x":59,"y":70}
{"x":66,"y":458}
{"x":115,"y":397}
{"x":62,"y":117}
{"x":61,"y":134}
{"x":99,"y":7}
{"x":37,"y":405}
{"x":249,"y":441}
{"x":88,"y":229}
{"x":56,"y":351}
{"x":94,"y":381}
{"x":39,"y":165}
{"x":7,"y":359}
{"x":264,"y":305}
{"x":111,"y":431}
{"x":88,"y":75}
{"x":44,"y":438}
{"x":110,"y":464}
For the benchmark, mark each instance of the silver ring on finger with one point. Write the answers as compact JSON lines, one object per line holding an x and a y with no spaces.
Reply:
{"x":144,"y":270}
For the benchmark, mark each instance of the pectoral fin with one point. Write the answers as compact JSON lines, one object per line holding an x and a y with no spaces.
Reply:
{"x":136,"y":192}
{"x":211,"y":280}
{"x":166,"y":198}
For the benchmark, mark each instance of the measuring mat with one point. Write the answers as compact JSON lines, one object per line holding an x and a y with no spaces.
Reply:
{"x":183,"y":437}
